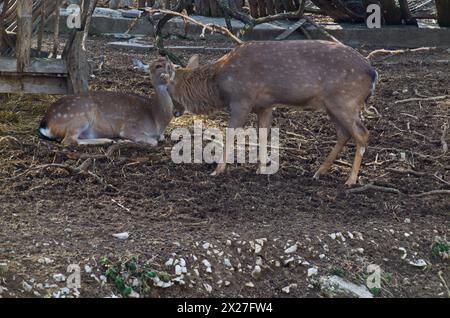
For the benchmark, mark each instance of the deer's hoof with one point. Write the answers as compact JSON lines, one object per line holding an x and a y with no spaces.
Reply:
{"x":350,"y":183}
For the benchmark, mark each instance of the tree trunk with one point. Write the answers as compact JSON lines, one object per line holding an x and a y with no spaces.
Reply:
{"x":391,"y":13}
{"x":443,"y":12}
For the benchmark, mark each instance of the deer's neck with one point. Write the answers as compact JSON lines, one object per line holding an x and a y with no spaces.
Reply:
{"x":164,"y":102}
{"x":197,"y":90}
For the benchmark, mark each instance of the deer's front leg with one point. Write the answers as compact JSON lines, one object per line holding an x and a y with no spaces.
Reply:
{"x":239,"y":115}
{"x":264,"y":124}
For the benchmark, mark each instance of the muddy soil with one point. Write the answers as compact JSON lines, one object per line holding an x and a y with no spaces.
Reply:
{"x":51,"y":217}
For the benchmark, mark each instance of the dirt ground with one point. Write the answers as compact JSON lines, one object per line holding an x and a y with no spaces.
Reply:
{"x":223,"y":227}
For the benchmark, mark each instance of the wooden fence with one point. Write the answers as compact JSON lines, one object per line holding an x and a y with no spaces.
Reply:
{"x":209,"y":8}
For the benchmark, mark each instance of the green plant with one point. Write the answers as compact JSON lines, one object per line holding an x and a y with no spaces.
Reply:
{"x":438,"y":248}
{"x":338,"y":271}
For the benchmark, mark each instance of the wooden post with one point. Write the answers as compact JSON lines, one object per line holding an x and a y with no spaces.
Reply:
{"x":77,"y":65}
{"x":262,"y":8}
{"x":2,"y":21}
{"x":443,"y":12}
{"x":56,"y":29}
{"x":270,"y":7}
{"x":25,"y":26}
{"x":42,"y":25}
{"x":253,"y":8}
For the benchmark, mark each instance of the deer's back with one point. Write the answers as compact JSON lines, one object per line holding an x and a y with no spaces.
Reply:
{"x":292,"y":70}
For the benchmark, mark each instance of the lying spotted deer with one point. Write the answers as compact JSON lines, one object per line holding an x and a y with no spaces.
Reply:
{"x":256,"y":76}
{"x":99,"y":117}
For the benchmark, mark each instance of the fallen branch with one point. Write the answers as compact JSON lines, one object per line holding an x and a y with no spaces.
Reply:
{"x":406,"y":171}
{"x":433,"y":192}
{"x":371,"y":186}
{"x":443,"y":136}
{"x":209,"y":26}
{"x":396,"y":52}
{"x":81,"y":169}
{"x":414,"y":99}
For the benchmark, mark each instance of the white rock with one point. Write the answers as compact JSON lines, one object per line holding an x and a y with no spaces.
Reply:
{"x":287,"y":289}
{"x":407,"y":235}
{"x":122,"y":236}
{"x":206,"y":246}
{"x":259,"y":261}
{"x":26,"y":287}
{"x":208,"y":287}
{"x":291,"y":249}
{"x":418,"y":263}
{"x":178,"y":270}
{"x":206,"y":263}
{"x":358,"y":250}
{"x":256,"y":271}
{"x":136,"y":282}
{"x":134,"y":294}
{"x":65,"y":291}
{"x":169,"y":262}
{"x":88,"y":269}
{"x":333,"y":236}
{"x":321,"y":256}
{"x":407,"y":220}
{"x":289,"y":260}
{"x":227,"y":283}
{"x":59,"y":277}
{"x":182,"y":262}
{"x":335,"y":286}
{"x":312,"y":271}
{"x":45,"y":260}
{"x":258,"y":248}
{"x":103,"y":278}
{"x":228,"y":243}
{"x":350,"y":235}
{"x":249,"y":284}
{"x":227,"y":262}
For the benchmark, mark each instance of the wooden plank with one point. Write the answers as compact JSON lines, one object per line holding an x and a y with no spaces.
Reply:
{"x":33,"y":85}
{"x":36,"y":66}
{"x":291,"y":29}
{"x":25,"y":24}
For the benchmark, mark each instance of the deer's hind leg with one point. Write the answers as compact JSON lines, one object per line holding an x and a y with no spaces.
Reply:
{"x":345,"y":116}
{"x":361,"y":136}
{"x":75,"y":136}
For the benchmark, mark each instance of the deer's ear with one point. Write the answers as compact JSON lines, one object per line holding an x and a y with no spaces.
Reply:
{"x":170,"y":69}
{"x":194,"y":61}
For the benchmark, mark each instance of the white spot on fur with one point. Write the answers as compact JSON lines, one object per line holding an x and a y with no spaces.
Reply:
{"x":45,"y":132}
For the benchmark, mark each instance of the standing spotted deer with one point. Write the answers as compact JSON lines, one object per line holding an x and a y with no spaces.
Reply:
{"x":256,"y":76}
{"x":99,"y":117}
